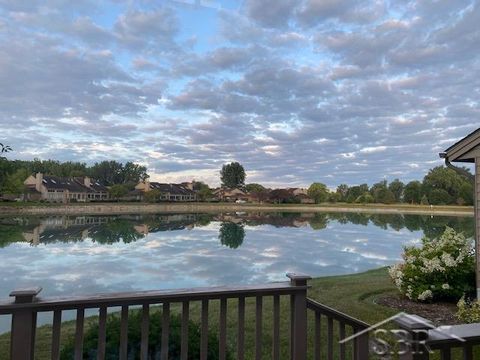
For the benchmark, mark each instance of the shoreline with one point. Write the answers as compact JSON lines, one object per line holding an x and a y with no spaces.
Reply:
{"x":141,"y":208}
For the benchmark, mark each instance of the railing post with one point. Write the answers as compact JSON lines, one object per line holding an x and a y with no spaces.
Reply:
{"x":24,"y":323}
{"x":361,"y":346}
{"x":415,"y":338}
{"x":299,"y":317}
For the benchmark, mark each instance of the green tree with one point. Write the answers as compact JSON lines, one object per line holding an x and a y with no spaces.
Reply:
{"x":355,"y":191}
{"x":424,"y":200}
{"x":117,"y":191}
{"x":203,"y":191}
{"x":366,"y":198}
{"x":397,"y":188}
{"x":440,"y":197}
{"x":443,"y":180}
{"x":256,"y":188}
{"x":14,"y":182}
{"x":466,"y":193}
{"x":232,"y":175}
{"x":318,"y":192}
{"x":151,"y":196}
{"x":413,"y":192}
{"x":231,"y":234}
{"x":342,"y":190}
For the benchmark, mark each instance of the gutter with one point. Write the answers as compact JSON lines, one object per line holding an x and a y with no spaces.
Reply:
{"x":462,"y":172}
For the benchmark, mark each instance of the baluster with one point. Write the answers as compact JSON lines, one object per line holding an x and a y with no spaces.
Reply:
{"x":330,"y":338}
{"x":79,"y":334}
{"x":223,"y":329}
{"x":258,"y":328}
{"x":102,"y":319}
{"x":204,"y":331}
{"x":467,"y":352}
{"x":276,"y":327}
{"x":145,"y":331}
{"x":165,"y":329}
{"x":56,"y":330}
{"x":445,"y":354}
{"x":184,"y":340}
{"x":341,"y":328}
{"x":241,"y":329}
{"x":318,"y":333}
{"x":124,"y":333}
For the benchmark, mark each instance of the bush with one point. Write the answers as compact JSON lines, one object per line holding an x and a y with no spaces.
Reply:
{"x":468,"y":312}
{"x":134,"y":336}
{"x":441,"y":269}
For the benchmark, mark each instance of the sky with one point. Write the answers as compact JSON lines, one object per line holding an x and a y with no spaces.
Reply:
{"x":335,"y":91}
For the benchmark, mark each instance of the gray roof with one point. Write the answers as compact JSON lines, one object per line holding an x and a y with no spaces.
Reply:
{"x":459,"y":151}
{"x":174,"y":189}
{"x":71,"y":184}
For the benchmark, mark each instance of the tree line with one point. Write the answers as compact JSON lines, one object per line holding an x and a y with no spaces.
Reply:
{"x":14,"y":172}
{"x":441,"y":186}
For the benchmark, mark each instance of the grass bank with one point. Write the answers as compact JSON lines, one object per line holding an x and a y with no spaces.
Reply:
{"x":142,"y":208}
{"x":352,"y":294}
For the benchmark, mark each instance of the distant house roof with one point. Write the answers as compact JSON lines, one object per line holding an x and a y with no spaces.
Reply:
{"x":72,"y":184}
{"x":464,"y":150}
{"x":60,"y":183}
{"x":174,"y":189}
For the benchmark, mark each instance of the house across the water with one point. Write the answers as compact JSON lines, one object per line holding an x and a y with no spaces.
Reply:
{"x":169,"y":192}
{"x":64,"y":189}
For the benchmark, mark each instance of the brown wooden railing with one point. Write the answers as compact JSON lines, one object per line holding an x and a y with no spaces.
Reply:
{"x":359,"y":345}
{"x":423,"y":341}
{"x":27,"y":304}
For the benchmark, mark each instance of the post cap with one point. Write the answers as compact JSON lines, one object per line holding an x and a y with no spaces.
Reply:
{"x":25,"y":295}
{"x":413,"y":322}
{"x":298,"y":277}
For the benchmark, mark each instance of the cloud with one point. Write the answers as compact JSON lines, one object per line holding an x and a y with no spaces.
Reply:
{"x":387,"y":84}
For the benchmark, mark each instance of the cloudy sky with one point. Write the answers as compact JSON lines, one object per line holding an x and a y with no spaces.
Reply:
{"x":296,"y":90}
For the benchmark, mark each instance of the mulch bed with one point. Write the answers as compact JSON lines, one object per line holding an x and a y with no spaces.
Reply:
{"x":438,"y":313}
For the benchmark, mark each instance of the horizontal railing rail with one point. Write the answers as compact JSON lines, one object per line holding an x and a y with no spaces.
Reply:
{"x":425,"y":340}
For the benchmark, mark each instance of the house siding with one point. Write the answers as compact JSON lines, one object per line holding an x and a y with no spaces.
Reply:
{"x":477,"y":221}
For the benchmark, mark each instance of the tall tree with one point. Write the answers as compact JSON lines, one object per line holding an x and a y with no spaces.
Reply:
{"x":232,"y":175}
{"x":413,"y":192}
{"x":342,"y":190}
{"x":397,"y":188}
{"x":255,"y":188}
{"x":318,"y":192}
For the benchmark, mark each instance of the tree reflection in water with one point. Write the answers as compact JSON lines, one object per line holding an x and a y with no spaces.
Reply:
{"x":130,"y":228}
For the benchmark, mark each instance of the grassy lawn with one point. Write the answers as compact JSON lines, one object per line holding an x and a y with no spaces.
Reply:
{"x":353,"y":294}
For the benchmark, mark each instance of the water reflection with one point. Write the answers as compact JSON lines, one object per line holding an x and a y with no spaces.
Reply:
{"x":130,"y":228}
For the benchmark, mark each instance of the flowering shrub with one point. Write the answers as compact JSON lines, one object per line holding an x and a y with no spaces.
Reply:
{"x":442,"y":268}
{"x":468,"y":312}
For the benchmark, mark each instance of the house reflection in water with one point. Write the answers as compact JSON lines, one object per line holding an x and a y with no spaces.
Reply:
{"x":104,"y":229}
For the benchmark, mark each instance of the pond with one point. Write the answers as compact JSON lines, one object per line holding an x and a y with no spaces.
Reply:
{"x":91,"y":254}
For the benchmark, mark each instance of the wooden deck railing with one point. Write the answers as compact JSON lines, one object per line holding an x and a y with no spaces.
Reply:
{"x":425,"y":341}
{"x":27,"y":304}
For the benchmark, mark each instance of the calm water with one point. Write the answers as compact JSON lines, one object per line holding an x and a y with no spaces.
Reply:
{"x":79,"y":255}
{"x":91,"y":254}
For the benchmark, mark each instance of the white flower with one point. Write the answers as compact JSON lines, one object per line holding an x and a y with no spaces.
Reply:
{"x":445,"y":286}
{"x":427,"y":294}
